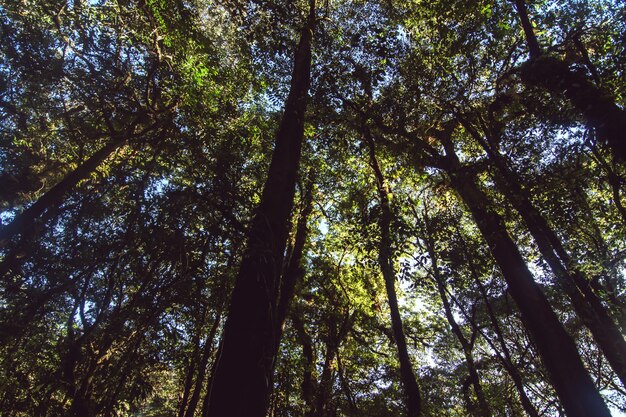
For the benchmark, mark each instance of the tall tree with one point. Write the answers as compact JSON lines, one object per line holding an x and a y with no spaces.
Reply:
{"x":556,"y":347}
{"x":242,"y":379}
{"x":598,"y":107}
{"x":576,"y":285}
{"x":385,"y":260}
{"x":484,"y":409}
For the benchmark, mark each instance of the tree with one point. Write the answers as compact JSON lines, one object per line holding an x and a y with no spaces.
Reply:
{"x":241,"y":382}
{"x":303,"y":208}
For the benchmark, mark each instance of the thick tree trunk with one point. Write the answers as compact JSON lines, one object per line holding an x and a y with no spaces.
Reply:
{"x":242,"y":378}
{"x":586,"y":303}
{"x":553,"y":74}
{"x":409,"y":382}
{"x":571,"y":380}
{"x":26,"y":220}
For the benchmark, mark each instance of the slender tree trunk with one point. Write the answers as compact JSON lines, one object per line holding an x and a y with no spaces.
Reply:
{"x":470,"y":406}
{"x":126,"y":366}
{"x":308,"y":381}
{"x":242,"y":379}
{"x":26,"y":220}
{"x":586,"y":303}
{"x":337,"y":331}
{"x":191,"y":369}
{"x":294,"y":270}
{"x":483,"y":406}
{"x":409,"y":382}
{"x":571,"y":380}
{"x":533,"y":44}
{"x":325,"y":386}
{"x":346,"y":388}
{"x":202,"y":367}
{"x":505,"y":357}
{"x":553,"y":74}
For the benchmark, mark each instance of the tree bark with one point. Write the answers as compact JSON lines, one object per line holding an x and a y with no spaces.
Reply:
{"x":598,"y":107}
{"x":242,"y":378}
{"x":385,"y":257}
{"x":586,"y":303}
{"x":294,"y":270}
{"x":204,"y":361}
{"x":569,"y":377}
{"x":25,"y":221}
{"x":483,"y":406}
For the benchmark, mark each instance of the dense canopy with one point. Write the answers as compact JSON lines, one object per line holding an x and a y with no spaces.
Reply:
{"x":314,"y":208}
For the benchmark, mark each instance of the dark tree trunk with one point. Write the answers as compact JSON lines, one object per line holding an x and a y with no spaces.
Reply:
{"x":308,"y":381}
{"x":483,"y":406}
{"x":202,"y":367}
{"x":26,"y":220}
{"x":385,"y":259}
{"x":354,"y":410}
{"x":338,"y":327}
{"x":191,"y":369}
{"x":553,"y":74}
{"x":294,"y":270}
{"x":586,"y":303}
{"x":126,"y":367}
{"x":505,"y":356}
{"x":325,"y":386}
{"x":569,"y":377}
{"x":533,"y":45}
{"x":242,"y":378}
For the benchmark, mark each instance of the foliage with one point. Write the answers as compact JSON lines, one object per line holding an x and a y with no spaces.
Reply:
{"x":114,"y":296}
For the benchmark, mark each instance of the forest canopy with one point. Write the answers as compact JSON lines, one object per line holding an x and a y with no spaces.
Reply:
{"x":315,"y":208}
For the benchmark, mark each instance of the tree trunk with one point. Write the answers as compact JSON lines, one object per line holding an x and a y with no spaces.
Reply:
{"x":325,"y":386}
{"x":553,"y":74}
{"x":531,"y":39}
{"x":191,"y":369}
{"x":308,"y":384}
{"x":571,"y":380}
{"x":242,"y":378}
{"x":385,"y":259}
{"x":26,"y":220}
{"x":294,"y":270}
{"x":586,"y":303}
{"x":354,"y":410}
{"x":505,"y":357}
{"x":204,"y":361}
{"x":483,"y":406}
